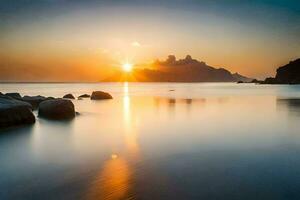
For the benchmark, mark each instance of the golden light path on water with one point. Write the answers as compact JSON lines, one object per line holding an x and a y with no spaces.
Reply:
{"x":114,"y":180}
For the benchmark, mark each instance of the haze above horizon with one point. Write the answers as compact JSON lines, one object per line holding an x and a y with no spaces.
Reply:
{"x":53,"y":40}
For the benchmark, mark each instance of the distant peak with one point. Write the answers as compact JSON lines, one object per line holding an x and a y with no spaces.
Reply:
{"x":188,"y":57}
{"x":171,"y":59}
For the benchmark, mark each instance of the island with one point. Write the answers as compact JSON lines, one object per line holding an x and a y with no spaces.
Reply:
{"x":182,"y":70}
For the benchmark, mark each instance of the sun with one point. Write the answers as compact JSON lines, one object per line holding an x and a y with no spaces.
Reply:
{"x":127,"y":67}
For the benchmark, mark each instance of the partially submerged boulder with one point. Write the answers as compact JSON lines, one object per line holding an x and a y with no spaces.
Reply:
{"x":34,"y":100}
{"x":99,"y":95}
{"x":84,"y":96}
{"x":69,"y":96}
{"x":14,"y":112}
{"x":57,"y":109}
{"x":14,"y":95}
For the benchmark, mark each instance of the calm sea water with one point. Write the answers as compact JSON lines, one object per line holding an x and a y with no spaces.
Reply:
{"x":158,"y":141}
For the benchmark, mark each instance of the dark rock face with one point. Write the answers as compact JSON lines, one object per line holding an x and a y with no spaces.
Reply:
{"x":34,"y":100}
{"x":287,"y":74}
{"x":57,"y":109}
{"x":271,"y":80}
{"x":85,"y":96}
{"x":290,"y":73}
{"x":256,"y":81}
{"x":69,"y":96}
{"x":15,"y":112}
{"x":98,"y":95}
{"x":14,"y":95}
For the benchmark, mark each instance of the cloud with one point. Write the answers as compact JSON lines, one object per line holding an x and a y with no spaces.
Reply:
{"x":135,"y":44}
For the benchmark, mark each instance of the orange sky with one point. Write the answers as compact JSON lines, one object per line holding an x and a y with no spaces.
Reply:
{"x":85,"y":43}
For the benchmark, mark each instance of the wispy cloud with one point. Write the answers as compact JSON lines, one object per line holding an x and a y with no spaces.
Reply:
{"x":136,"y":44}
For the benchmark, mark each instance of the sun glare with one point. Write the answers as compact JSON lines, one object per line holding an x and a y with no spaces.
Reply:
{"x":127,"y":67}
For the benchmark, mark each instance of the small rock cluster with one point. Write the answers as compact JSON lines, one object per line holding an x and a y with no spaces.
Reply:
{"x":17,"y":110}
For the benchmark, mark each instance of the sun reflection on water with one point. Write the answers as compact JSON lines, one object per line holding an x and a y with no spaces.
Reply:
{"x":115,"y":177}
{"x":112,"y":182}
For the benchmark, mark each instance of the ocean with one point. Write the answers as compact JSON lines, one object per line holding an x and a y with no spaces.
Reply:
{"x":158,"y":141}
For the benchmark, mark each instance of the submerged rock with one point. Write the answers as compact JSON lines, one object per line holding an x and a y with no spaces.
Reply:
{"x":57,"y":109}
{"x":14,"y":112}
{"x":84,"y":96}
{"x":69,"y":96}
{"x":98,"y":95}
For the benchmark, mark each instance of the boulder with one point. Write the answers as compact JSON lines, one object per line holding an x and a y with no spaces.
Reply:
{"x":34,"y":100}
{"x":14,"y":95}
{"x":57,"y":109}
{"x":3,"y":96}
{"x":69,"y":96}
{"x":14,"y":101}
{"x":84,"y":96}
{"x":98,"y":95}
{"x":14,"y":112}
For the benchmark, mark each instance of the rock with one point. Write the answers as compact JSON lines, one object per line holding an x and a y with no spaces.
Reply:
{"x":57,"y":109}
{"x":14,"y":112}
{"x":3,"y":96}
{"x":240,"y":82}
{"x":287,"y":74}
{"x":14,"y":95}
{"x":270,"y":80}
{"x":34,"y":100}
{"x":85,"y":96}
{"x":14,"y":101}
{"x":69,"y":96}
{"x":98,"y":95}
{"x":80,"y":98}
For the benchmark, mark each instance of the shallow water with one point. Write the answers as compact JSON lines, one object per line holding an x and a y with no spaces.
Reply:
{"x":200,"y":141}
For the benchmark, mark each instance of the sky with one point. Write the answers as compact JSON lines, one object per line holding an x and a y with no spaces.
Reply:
{"x":81,"y":40}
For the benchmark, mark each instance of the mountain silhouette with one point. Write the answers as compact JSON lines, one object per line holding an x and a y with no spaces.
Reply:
{"x":182,"y":70}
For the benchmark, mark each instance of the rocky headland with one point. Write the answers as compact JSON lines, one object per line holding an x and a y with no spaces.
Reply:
{"x":287,"y":74}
